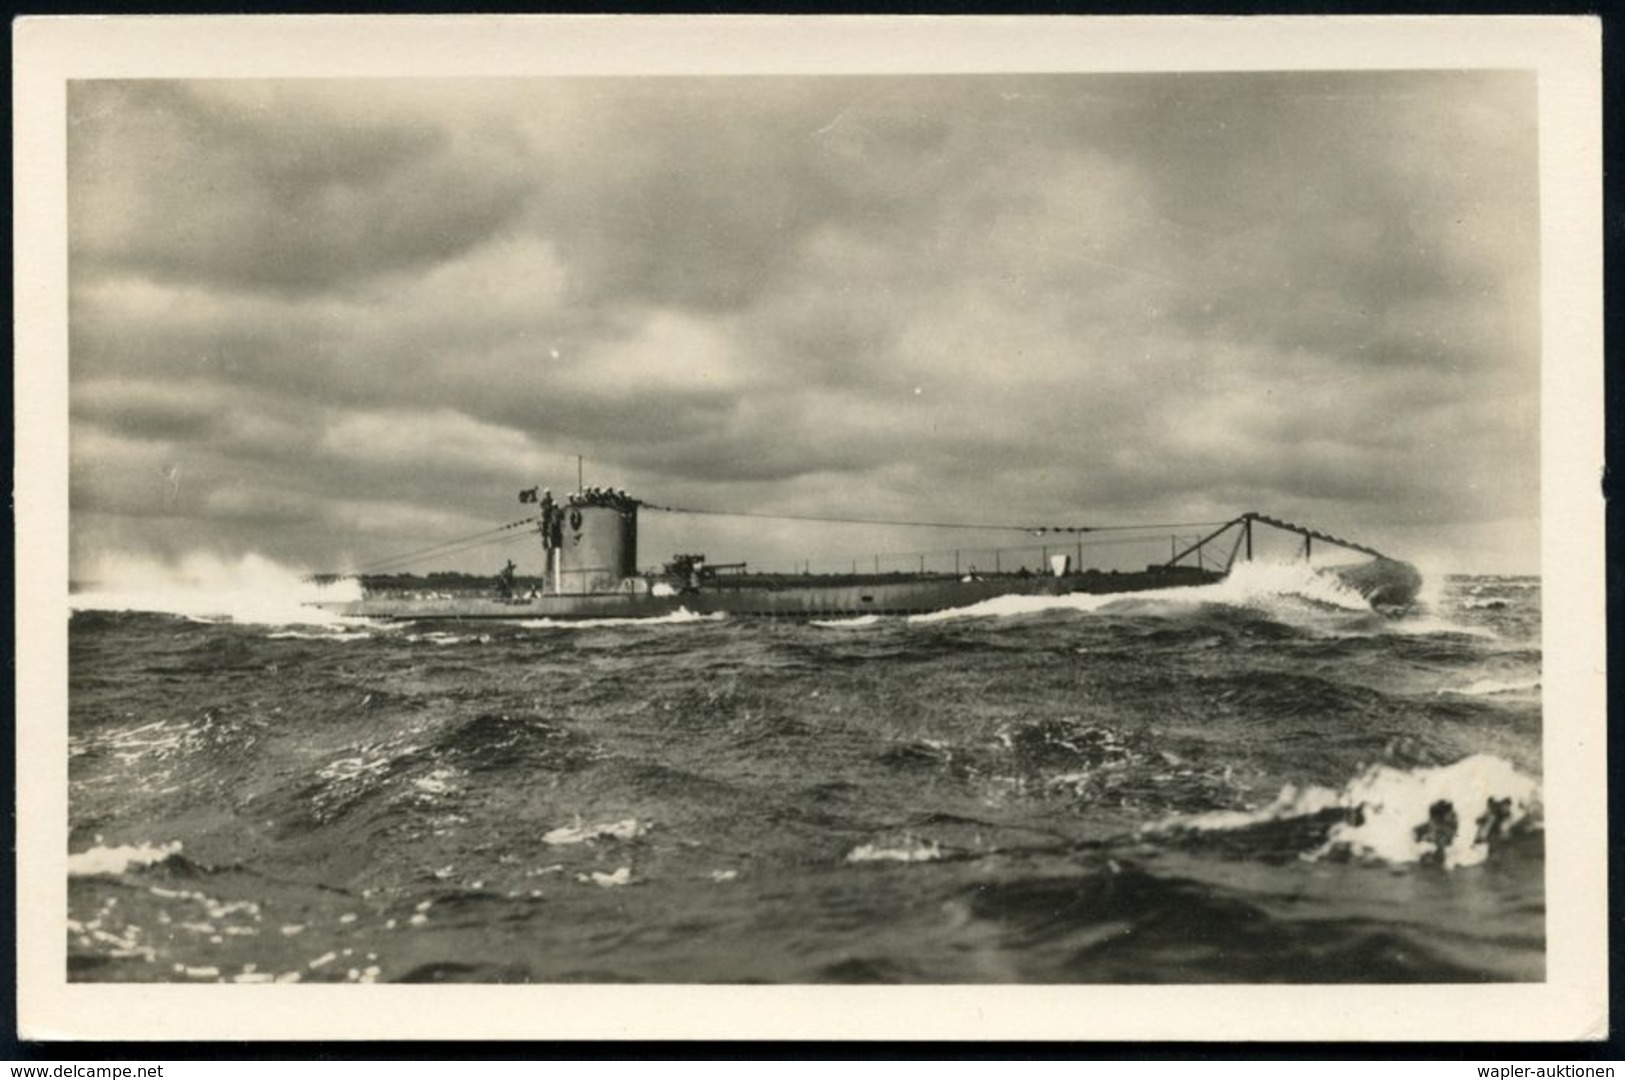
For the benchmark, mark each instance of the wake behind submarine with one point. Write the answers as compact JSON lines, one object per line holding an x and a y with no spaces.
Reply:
{"x":589,"y":542}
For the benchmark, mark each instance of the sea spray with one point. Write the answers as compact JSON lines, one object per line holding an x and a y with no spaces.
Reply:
{"x":252,"y":589}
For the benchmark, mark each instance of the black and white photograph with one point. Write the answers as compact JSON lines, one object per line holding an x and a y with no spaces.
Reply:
{"x":624,"y":520}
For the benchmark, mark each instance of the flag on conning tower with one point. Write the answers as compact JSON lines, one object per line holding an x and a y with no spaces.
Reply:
{"x":528,"y":495}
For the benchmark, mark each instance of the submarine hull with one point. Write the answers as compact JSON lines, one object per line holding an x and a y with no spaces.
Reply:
{"x":590,"y":573}
{"x":843,"y":599}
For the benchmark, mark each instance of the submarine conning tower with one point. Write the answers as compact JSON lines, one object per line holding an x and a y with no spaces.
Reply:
{"x":591,"y":541}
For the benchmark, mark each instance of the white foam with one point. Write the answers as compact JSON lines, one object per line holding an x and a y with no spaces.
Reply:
{"x":847,"y":624}
{"x":338,"y":633}
{"x":117,"y":860}
{"x":1007,"y":606}
{"x":1291,"y":802}
{"x":439,"y":782}
{"x":1395,"y":802}
{"x":251,"y":589}
{"x":1491,"y":687}
{"x":351,"y":768}
{"x":1271,"y":586}
{"x":625,"y":829}
{"x":681,"y":615}
{"x":1393,"y":805}
{"x":440,"y":637}
{"x":909,"y":850}
{"x":1249,"y":583}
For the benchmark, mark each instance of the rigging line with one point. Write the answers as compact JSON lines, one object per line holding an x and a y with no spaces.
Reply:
{"x":828,"y":520}
{"x":1040,"y":529}
{"x":1058,"y":549}
{"x":400,"y":563}
{"x":1037,"y":529}
{"x":455,"y":549}
{"x":459,"y":539}
{"x":445,"y":543}
{"x":401,"y":567}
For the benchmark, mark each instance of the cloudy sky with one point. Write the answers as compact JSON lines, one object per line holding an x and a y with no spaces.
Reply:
{"x":330,"y":321}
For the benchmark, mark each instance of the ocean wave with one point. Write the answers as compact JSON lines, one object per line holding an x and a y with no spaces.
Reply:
{"x":1093,"y":765}
{"x":1476,"y":584}
{"x":1426,"y":624}
{"x":495,"y":742}
{"x":157,"y":748}
{"x":859,"y":783}
{"x":1449,"y":816}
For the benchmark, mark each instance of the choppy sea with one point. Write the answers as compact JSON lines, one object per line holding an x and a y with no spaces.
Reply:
{"x":1256,"y":781}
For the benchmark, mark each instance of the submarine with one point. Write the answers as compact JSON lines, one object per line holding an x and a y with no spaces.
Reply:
{"x":589,"y":542}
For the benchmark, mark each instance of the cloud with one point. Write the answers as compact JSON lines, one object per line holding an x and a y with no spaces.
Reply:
{"x":182,"y":183}
{"x":384,"y":305}
{"x":427,"y":442}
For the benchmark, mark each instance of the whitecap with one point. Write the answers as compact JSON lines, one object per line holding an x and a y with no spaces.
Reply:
{"x":1492,"y":687}
{"x":623,"y":876}
{"x":909,"y":850}
{"x":351,"y":768}
{"x":1394,"y":812}
{"x":625,"y":829}
{"x":117,"y":860}
{"x":439,"y":782}
{"x":437,"y":637}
